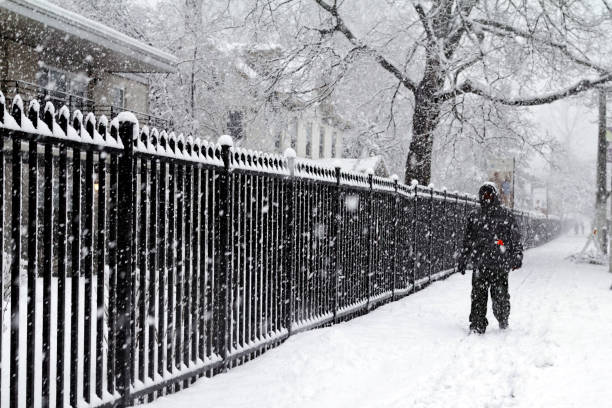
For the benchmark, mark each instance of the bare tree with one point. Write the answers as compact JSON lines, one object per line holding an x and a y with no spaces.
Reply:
{"x":442,"y":52}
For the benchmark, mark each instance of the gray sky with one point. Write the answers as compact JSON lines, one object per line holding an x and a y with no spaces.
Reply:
{"x":573,"y":122}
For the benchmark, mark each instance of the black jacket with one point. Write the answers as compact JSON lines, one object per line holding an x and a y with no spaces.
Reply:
{"x":492,"y":237}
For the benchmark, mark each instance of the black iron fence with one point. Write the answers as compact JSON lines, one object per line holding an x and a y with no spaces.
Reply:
{"x":135,"y":261}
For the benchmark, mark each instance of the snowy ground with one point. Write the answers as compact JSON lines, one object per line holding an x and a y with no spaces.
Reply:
{"x":417,"y":352}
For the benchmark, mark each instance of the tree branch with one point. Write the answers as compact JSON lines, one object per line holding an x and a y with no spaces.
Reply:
{"x":507,"y":31}
{"x":348,"y":34}
{"x":581,"y":86}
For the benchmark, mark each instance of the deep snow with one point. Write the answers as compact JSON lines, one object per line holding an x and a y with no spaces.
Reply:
{"x":417,"y":352}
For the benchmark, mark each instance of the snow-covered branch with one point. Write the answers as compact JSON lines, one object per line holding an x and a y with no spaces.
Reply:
{"x":342,"y":28}
{"x":468,"y":87}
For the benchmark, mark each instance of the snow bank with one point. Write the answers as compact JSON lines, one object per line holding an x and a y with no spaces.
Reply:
{"x":417,"y":352}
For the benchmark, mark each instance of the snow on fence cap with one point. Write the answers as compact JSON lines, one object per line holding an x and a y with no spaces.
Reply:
{"x":414,"y":183}
{"x":34,"y":105}
{"x":369,"y":171}
{"x":394,"y":177}
{"x":431,"y":186}
{"x":225,"y":140}
{"x":290,"y":153}
{"x":49,"y":107}
{"x":18,"y":101}
{"x":90,"y":118}
{"x":2,"y":100}
{"x":127,"y":117}
{"x":64,"y":112}
{"x":77,"y":115}
{"x":103,"y":120}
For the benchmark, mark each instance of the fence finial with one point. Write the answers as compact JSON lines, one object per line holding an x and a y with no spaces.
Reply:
{"x":226,"y":143}
{"x":33,"y":112}
{"x":226,"y":140}
{"x":290,"y":153}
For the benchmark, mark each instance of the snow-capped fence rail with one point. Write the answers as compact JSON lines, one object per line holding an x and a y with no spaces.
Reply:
{"x":136,"y":261}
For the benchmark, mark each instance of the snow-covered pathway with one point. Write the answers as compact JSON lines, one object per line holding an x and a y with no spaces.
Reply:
{"x":417,"y":352}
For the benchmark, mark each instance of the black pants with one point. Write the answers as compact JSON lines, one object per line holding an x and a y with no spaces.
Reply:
{"x":497,"y":281}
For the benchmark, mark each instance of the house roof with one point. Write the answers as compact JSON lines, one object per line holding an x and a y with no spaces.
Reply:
{"x":361,"y":165}
{"x":42,"y":16}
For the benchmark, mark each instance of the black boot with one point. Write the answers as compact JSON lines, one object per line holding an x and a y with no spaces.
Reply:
{"x":477,"y":329}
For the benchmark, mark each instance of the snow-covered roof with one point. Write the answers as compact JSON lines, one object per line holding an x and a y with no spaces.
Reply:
{"x":148,"y":59}
{"x":360,"y":165}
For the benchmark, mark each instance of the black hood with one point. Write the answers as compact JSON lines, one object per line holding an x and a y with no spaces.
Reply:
{"x":492,"y":189}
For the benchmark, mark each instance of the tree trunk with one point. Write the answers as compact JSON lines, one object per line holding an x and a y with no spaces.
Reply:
{"x":424,"y":121}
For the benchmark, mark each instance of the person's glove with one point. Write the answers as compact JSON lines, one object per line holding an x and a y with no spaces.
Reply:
{"x":517,"y":262}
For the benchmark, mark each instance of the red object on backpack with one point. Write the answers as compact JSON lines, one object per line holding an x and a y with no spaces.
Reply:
{"x":500,"y":242}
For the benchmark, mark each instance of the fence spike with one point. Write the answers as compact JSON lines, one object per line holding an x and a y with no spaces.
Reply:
{"x":2,"y":107}
{"x":103,"y":127}
{"x":163,"y":142}
{"x":153,"y":140}
{"x":33,"y":112}
{"x":90,"y":124}
{"x":197,"y":147}
{"x":114,"y":130}
{"x":189,"y":147}
{"x":17,"y":109}
{"x":180,"y":145}
{"x":172,"y":144}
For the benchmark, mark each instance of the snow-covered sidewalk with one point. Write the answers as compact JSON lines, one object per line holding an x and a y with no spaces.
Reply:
{"x":417,"y":352}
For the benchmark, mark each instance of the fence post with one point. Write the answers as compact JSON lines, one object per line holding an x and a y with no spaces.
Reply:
{"x":289,"y":241}
{"x":128,"y":130}
{"x":225,"y":251}
{"x":395,"y":224}
{"x":431,"y":232}
{"x":2,"y":106}
{"x":456,"y":230}
{"x":415,"y":255}
{"x":336,"y":244}
{"x":370,"y":235}
{"x":444,"y":233}
{"x":17,"y":351}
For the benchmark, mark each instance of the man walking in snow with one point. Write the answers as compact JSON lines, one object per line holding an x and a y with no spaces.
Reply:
{"x":492,"y":243}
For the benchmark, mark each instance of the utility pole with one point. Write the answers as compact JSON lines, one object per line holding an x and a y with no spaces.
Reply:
{"x":601,"y":195}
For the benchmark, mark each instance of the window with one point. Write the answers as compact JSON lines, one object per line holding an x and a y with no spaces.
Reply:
{"x":278,"y":140}
{"x":117,"y":97}
{"x":53,"y":80}
{"x":63,"y":82}
{"x":309,"y":139}
{"x":234,"y":125}
{"x":322,"y":133}
{"x":293,"y":130}
{"x":333,"y":149}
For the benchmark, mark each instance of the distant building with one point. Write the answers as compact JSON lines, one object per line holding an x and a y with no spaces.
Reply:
{"x":50,"y":53}
{"x":314,"y":132}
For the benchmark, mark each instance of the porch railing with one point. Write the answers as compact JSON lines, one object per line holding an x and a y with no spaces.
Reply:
{"x":29,"y":91}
